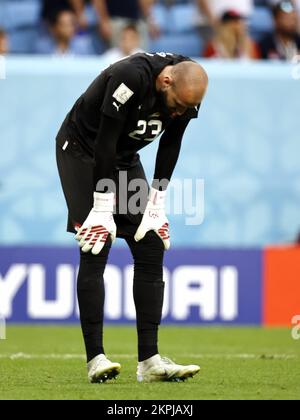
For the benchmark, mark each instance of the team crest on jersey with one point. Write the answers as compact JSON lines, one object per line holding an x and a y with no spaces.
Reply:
{"x":123,"y":94}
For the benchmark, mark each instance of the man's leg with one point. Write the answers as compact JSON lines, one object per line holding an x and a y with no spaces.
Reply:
{"x":148,"y":291}
{"x":91,"y":295}
{"x":77,"y":181}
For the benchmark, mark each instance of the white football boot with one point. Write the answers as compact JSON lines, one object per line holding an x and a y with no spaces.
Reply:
{"x":162,"y":369}
{"x":100,"y":369}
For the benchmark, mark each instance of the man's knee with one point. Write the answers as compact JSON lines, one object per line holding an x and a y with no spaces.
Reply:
{"x":148,"y":257}
{"x":92,"y":268}
{"x":151,"y":247}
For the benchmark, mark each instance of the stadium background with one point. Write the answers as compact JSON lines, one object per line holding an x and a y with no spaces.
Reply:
{"x":240,"y":266}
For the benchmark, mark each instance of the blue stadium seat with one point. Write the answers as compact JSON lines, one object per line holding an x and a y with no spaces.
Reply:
{"x":178,"y":26}
{"x":184,"y":17}
{"x":176,"y":19}
{"x":22,"y":41}
{"x":261,"y":22}
{"x":19,"y":13}
{"x":160,"y":14}
{"x":186,"y":44}
{"x":91,"y":15}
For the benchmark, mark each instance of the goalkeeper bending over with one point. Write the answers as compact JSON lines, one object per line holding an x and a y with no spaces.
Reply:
{"x":129,"y":105}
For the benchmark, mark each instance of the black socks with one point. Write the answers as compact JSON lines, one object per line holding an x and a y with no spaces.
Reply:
{"x":91,"y":294}
{"x":148,"y":291}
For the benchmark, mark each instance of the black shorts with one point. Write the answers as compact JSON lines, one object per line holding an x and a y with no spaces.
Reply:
{"x":76,"y":175}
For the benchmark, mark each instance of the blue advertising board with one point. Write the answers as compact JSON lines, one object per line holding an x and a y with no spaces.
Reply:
{"x":202,"y":286}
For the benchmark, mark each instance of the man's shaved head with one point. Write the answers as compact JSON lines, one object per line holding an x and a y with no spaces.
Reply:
{"x":183,"y":86}
{"x":190,"y":80}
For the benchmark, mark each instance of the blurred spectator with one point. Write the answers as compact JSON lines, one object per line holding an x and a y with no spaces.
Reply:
{"x":115,"y":14}
{"x":272,"y":3}
{"x":50,"y":8}
{"x":62,"y":39}
{"x":129,"y":43}
{"x":4,"y":47}
{"x":284,"y":43}
{"x":211,"y":11}
{"x":215,"y":9}
{"x":296,"y":4}
{"x":232,"y":39}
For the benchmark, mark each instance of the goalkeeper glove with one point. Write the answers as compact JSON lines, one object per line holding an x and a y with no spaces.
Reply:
{"x":155,"y":218}
{"x":99,"y":224}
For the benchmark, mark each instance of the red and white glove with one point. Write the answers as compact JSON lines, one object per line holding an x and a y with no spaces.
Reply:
{"x":99,"y":224}
{"x":155,"y":218}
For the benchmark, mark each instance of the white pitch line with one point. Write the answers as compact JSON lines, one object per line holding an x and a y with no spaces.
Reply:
{"x":26,"y":356}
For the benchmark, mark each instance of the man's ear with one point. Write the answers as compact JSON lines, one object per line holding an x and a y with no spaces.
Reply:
{"x":168,"y":81}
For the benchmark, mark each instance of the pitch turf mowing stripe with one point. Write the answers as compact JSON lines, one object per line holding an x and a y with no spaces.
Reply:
{"x":25,"y":356}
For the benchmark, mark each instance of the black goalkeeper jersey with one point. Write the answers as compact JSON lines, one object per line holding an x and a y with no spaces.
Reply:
{"x":126,"y":93}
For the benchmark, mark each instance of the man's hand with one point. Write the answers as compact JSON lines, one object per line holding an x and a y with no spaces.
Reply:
{"x":155,"y":218}
{"x":99,"y":224}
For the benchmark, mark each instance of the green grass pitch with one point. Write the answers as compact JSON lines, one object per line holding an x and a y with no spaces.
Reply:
{"x":237,"y":363}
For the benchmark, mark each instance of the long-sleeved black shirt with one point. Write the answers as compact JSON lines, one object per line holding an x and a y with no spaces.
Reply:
{"x":121,"y":113}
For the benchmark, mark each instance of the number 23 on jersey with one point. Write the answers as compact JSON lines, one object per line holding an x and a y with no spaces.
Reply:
{"x":147,"y":130}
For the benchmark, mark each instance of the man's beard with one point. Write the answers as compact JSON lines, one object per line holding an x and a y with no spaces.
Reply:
{"x":163,"y":103}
